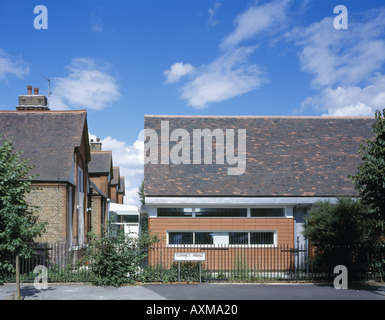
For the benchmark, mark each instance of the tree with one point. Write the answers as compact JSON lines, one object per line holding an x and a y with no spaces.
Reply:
{"x":370,"y":179}
{"x":141,"y":193}
{"x":336,"y":229}
{"x":18,"y":224}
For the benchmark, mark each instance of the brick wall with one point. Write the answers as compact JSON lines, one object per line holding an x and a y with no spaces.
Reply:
{"x":96,"y":202}
{"x":254,"y":257}
{"x":52,"y":202}
{"x":102,"y":183}
{"x":114,"y":193}
{"x":284,"y":226}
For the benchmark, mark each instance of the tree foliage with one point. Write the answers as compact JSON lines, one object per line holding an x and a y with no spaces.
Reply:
{"x":335,"y":229}
{"x":370,"y":178}
{"x":338,"y":224}
{"x":141,"y":193}
{"x":18,"y":224}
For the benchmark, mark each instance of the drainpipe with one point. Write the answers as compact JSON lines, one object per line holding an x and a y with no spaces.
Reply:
{"x":108,"y":216}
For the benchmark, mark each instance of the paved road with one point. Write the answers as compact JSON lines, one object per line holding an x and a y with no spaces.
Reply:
{"x":199,"y":292}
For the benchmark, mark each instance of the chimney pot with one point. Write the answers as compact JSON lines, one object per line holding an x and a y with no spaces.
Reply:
{"x":97,"y":139}
{"x":29,"y":88}
{"x":36,"y":91}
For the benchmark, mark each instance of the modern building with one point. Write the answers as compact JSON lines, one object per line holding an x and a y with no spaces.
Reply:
{"x":245,"y":180}
{"x":125,"y":218}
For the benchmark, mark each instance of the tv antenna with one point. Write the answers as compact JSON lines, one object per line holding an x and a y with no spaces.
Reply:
{"x":49,"y":88}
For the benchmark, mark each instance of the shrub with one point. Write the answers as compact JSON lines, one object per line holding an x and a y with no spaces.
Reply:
{"x":116,"y":261}
{"x":336,"y":230}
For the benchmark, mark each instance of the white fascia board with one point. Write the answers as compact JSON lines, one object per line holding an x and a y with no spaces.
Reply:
{"x":124,"y":209}
{"x":234,"y":201}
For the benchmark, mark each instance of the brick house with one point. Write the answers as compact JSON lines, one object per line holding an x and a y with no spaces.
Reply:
{"x":57,"y":145}
{"x":121,"y":190}
{"x":100,"y":174}
{"x":280,"y":169}
{"x":117,"y":186}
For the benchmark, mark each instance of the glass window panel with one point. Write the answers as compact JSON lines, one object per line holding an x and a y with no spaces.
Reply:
{"x":174,"y":212}
{"x":261,"y":237}
{"x":221,"y":212}
{"x":267,"y":212}
{"x":204,"y":238}
{"x":129,"y":218}
{"x":180,"y":238}
{"x":238,"y":237}
{"x":221,"y":238}
{"x":114,"y":216}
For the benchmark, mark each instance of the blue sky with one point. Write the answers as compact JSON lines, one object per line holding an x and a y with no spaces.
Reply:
{"x":122,"y":59}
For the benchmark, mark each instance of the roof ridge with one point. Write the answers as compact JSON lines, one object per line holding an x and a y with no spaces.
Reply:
{"x":45,"y":111}
{"x":258,"y":117}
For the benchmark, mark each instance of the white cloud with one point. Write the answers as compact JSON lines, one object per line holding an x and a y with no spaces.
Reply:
{"x":346,"y":64}
{"x":88,"y":85}
{"x":212,"y":11}
{"x":97,"y":27}
{"x":228,"y":76}
{"x":177,"y":71}
{"x":96,"y":20}
{"x":130,"y":159}
{"x":231,"y":74}
{"x":341,"y":56}
{"x":257,"y":19}
{"x":351,"y":100}
{"x":12,"y":65}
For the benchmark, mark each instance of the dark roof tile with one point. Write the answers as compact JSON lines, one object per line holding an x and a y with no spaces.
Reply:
{"x":286,"y":156}
{"x":101,"y":162}
{"x":47,"y":138}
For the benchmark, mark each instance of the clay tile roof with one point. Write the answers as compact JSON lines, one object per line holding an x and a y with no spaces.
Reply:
{"x":47,"y":138}
{"x":285,"y":156}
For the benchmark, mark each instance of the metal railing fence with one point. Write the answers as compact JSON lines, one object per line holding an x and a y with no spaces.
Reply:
{"x":248,"y":263}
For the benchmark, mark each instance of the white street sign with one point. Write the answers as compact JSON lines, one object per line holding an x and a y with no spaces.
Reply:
{"x":189,"y":256}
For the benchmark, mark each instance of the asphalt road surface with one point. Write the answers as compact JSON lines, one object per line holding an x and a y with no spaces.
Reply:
{"x":201,"y":292}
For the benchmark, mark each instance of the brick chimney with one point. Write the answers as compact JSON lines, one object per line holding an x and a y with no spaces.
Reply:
{"x":96,"y":146}
{"x":32,"y":102}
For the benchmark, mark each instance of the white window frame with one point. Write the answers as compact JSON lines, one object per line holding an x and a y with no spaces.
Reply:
{"x":287,"y":210}
{"x":274,"y":231}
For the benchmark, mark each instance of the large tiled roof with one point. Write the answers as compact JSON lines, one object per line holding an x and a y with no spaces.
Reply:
{"x":47,"y":138}
{"x":286,"y":156}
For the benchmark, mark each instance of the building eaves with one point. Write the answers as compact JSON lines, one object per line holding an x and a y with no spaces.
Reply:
{"x":47,"y":138}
